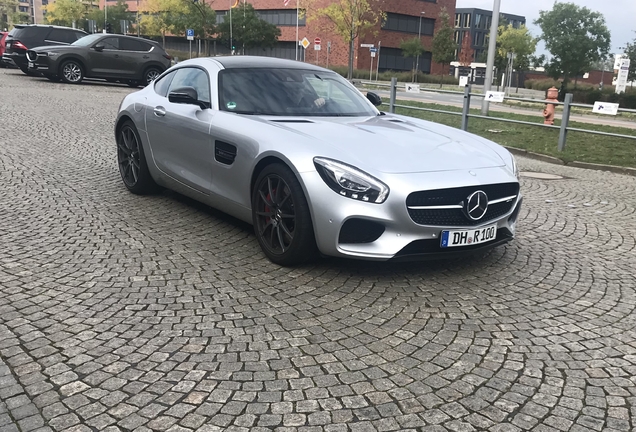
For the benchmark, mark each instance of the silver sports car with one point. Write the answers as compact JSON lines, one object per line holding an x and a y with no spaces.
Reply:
{"x":300,"y":153}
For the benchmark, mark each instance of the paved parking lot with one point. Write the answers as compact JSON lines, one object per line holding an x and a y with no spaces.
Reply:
{"x":157,"y":313}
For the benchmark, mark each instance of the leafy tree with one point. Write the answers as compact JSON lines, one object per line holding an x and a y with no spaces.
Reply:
{"x":466,"y":52}
{"x":575,"y":36}
{"x":248,"y":29}
{"x":157,"y":17}
{"x":518,"y":41}
{"x":412,"y":48}
{"x":630,"y":52}
{"x":198,"y":16}
{"x":9,"y":14}
{"x":116,"y":13}
{"x":443,"y":47}
{"x":65,"y":12}
{"x":351,"y":19}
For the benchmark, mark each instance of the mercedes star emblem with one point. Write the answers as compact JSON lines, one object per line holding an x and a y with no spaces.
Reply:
{"x":476,"y":205}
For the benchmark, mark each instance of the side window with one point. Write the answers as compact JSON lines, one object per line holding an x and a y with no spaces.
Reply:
{"x":110,"y":43}
{"x":63,"y":36}
{"x":134,"y":45}
{"x":163,"y":83}
{"x":193,"y":77}
{"x":78,"y":35}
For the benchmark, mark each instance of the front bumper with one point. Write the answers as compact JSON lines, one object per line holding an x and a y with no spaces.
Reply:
{"x":401,"y":238}
{"x":40,"y":63}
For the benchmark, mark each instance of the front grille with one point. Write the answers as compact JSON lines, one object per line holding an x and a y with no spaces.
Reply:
{"x":457,"y":196}
{"x":31,"y":56}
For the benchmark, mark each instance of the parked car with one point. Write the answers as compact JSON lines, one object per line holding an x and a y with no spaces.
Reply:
{"x":113,"y":57}
{"x":24,"y":37}
{"x":3,"y":36}
{"x":300,"y":153}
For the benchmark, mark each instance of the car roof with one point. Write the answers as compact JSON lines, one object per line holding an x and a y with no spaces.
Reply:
{"x":233,"y":62}
{"x":23,"y":26}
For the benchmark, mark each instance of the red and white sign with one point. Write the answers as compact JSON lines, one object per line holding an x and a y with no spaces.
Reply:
{"x":317,"y":41}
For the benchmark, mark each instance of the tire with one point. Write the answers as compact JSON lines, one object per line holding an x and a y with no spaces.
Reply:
{"x":53,"y":78}
{"x":71,"y":72}
{"x":150,"y":75}
{"x":131,"y":161}
{"x":281,"y":218}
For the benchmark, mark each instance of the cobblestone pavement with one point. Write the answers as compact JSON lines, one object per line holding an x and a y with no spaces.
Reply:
{"x":159,"y":314}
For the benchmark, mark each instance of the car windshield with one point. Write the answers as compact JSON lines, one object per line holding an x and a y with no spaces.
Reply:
{"x":290,"y":92}
{"x":87,"y":40}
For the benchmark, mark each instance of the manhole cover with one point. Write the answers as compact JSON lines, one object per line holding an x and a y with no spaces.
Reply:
{"x":539,"y":175}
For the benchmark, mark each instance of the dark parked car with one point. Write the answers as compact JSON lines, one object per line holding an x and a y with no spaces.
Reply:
{"x":113,"y":57}
{"x":24,"y":37}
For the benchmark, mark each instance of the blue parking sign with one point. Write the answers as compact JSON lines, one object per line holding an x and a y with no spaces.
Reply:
{"x":190,"y":32}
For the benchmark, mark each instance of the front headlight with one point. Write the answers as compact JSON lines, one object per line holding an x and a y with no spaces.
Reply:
{"x":351,"y":182}
{"x":515,"y":169}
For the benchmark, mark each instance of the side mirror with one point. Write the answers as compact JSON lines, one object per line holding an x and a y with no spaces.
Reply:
{"x":185,"y":95}
{"x":99,"y":48}
{"x":374,"y":98}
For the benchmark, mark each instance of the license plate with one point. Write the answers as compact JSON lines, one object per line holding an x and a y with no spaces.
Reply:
{"x":31,"y":65}
{"x":468,"y":237}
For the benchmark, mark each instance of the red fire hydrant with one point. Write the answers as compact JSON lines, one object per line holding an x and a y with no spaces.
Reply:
{"x":548,"y":111}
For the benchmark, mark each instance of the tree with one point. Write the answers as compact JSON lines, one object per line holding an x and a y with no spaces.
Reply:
{"x":630,"y":52}
{"x":10,"y":14}
{"x":518,"y":41}
{"x":466,"y":52}
{"x":351,"y":19}
{"x":575,"y":36}
{"x":65,"y":12}
{"x":157,"y":17}
{"x":412,"y":48}
{"x":198,"y":16}
{"x":116,"y":13}
{"x":248,"y":30}
{"x":443,"y":47}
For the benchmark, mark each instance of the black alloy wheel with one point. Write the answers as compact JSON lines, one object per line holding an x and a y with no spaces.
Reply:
{"x":132,"y":162}
{"x":71,"y":72}
{"x":281,"y":217}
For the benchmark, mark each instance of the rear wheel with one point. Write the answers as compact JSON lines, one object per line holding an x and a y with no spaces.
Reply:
{"x":132,"y":83}
{"x":132,"y":161}
{"x":71,"y":72}
{"x":150,"y":75}
{"x":281,"y":217}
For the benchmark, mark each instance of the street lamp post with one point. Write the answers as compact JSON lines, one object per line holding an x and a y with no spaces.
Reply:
{"x":419,"y":37}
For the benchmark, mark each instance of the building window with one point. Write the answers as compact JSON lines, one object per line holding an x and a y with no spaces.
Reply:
{"x":408,"y":24}
{"x":458,"y":20}
{"x":457,"y":37}
{"x":488,"y":23}
{"x":23,"y":8}
{"x":282,"y":17}
{"x":466,"y":20}
{"x":392,"y":59}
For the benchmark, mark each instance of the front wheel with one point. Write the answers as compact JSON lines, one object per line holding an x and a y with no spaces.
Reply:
{"x":71,"y":72}
{"x":132,"y":161}
{"x":281,"y":217}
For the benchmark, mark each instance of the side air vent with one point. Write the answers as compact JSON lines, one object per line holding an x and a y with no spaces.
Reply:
{"x":224,"y":153}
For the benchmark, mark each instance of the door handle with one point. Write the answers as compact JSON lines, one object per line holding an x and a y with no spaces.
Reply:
{"x":159,"y":111}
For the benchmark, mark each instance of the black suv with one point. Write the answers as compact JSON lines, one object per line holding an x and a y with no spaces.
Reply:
{"x":24,"y":37}
{"x":112,"y":57}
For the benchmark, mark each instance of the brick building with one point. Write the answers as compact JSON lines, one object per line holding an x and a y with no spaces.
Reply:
{"x":404,"y":20}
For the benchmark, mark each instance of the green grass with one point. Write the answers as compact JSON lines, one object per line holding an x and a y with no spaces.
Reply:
{"x":580,"y":146}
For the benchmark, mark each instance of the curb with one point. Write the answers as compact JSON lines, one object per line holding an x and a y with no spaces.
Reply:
{"x":587,"y":165}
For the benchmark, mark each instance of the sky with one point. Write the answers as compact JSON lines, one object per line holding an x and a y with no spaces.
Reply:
{"x":620,"y":15}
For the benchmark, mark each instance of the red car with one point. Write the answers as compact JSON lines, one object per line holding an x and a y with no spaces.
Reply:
{"x":3,"y":37}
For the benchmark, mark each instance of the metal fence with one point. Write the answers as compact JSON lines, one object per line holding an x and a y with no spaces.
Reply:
{"x":564,"y":128}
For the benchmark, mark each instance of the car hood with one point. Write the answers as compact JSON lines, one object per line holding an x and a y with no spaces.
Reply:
{"x":396,"y":144}
{"x":48,"y":48}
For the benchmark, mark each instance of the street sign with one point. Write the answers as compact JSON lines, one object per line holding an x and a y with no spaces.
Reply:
{"x":190,"y":34}
{"x":373,"y":50}
{"x":305,"y":43}
{"x":328,"y":47}
{"x":317,"y":41}
{"x":316,"y":47}
{"x":605,"y":108}
{"x":493,"y":96}
{"x":373,"y":54}
{"x":413,"y":88}
{"x":366,"y":45}
{"x":623,"y":72}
